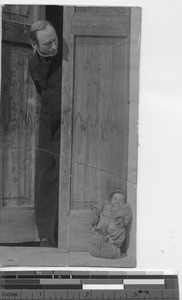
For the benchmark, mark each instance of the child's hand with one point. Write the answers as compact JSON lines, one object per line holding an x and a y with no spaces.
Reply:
{"x":108,"y":239}
{"x":111,"y":240}
{"x":120,"y":222}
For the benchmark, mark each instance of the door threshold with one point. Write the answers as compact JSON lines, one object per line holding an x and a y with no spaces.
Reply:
{"x":22,"y":244}
{"x":57,"y":257}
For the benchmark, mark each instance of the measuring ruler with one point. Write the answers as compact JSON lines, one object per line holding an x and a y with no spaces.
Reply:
{"x":65,"y":285}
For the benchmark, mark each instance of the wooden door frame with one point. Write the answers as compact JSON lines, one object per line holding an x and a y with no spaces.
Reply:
{"x":66,"y":132}
{"x":16,"y":49}
{"x":57,"y":257}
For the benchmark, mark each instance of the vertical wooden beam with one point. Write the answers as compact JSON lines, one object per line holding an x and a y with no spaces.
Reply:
{"x":22,"y":128}
{"x":38,"y":13}
{"x":1,"y":164}
{"x":1,"y":187}
{"x":10,"y":125}
{"x":66,"y":130}
{"x":31,"y":136}
{"x":133,"y":121}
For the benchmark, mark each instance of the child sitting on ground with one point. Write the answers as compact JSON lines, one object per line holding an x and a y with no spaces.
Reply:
{"x":109,"y":221}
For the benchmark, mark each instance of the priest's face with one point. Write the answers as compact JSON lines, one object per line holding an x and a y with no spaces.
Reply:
{"x":47,"y":42}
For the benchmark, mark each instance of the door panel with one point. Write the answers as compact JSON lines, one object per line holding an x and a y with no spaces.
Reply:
{"x":96,"y":108}
{"x":100,"y":116}
{"x":99,"y":149}
{"x":18,"y":126}
{"x":17,"y":224}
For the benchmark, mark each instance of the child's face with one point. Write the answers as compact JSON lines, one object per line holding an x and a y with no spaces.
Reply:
{"x":117,"y":199}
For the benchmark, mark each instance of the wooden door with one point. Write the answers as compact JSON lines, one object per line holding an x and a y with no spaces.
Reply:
{"x":18,"y":126}
{"x":99,"y":117}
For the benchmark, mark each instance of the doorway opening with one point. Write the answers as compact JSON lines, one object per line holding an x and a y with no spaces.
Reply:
{"x":54,"y":14}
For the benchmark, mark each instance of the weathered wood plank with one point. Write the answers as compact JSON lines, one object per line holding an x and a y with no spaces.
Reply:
{"x":1,"y":158}
{"x":133,"y":122}
{"x":25,"y":99}
{"x":10,"y":127}
{"x":96,"y":187}
{"x":17,"y":13}
{"x":23,"y":10}
{"x":1,"y":142}
{"x":100,"y":118}
{"x":66,"y":131}
{"x":31,"y":134}
{"x":22,"y":128}
{"x":15,"y":32}
{"x":119,"y":107}
{"x":134,"y":94}
{"x":85,"y":24}
{"x":103,"y":9}
{"x":5,"y":94}
{"x":17,"y":224}
{"x":19,"y":114}
{"x":20,"y":10}
{"x":37,"y":12}
{"x":27,"y":14}
{"x":80,"y":230}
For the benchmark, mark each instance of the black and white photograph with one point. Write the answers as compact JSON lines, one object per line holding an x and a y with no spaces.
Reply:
{"x":69,"y":135}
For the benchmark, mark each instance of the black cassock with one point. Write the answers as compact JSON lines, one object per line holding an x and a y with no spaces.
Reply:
{"x":46,"y":74}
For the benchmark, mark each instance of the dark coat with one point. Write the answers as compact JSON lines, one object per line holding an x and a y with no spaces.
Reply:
{"x":46,"y":74}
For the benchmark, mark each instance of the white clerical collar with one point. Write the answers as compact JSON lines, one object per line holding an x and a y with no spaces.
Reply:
{"x":45,"y":56}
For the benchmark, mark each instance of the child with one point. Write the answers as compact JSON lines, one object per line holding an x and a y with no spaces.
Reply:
{"x":109,"y":221}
